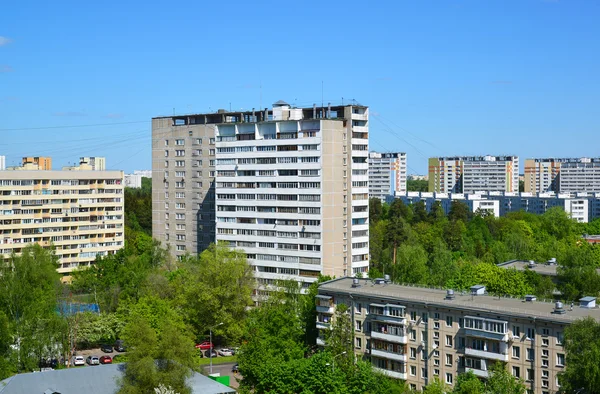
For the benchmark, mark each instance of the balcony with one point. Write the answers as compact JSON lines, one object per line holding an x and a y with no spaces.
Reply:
{"x":391,"y":374}
{"x":478,"y":372}
{"x":389,"y":337}
{"x":388,"y":355}
{"x":323,"y":325}
{"x":486,"y":334}
{"x":486,"y":354}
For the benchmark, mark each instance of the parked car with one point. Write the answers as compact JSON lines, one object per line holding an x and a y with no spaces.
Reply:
{"x":207,"y":353}
{"x":225,"y":352}
{"x":204,"y":345}
{"x":78,"y":360}
{"x":235,"y":368}
{"x":235,"y":350}
{"x":93,"y":360}
{"x":120,"y":345}
{"x":106,"y":348}
{"x":106,"y":360}
{"x":49,"y":363}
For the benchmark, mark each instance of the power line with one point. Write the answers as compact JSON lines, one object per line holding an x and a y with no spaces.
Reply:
{"x":72,"y":126}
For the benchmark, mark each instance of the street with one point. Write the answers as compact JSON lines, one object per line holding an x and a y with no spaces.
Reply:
{"x":225,"y":369}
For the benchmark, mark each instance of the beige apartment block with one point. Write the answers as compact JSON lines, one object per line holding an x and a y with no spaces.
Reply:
{"x":42,"y":163}
{"x":78,"y":213}
{"x":418,"y":334}
{"x":183,"y":174}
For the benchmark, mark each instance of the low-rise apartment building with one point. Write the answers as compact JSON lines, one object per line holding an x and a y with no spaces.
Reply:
{"x":418,"y":334}
{"x":78,"y":213}
{"x":475,"y":202}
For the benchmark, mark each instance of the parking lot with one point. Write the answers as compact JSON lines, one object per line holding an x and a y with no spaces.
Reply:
{"x":225,"y":370}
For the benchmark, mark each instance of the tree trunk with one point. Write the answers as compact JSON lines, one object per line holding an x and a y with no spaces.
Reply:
{"x":394,"y":257}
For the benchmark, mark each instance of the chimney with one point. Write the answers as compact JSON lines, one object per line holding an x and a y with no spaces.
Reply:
{"x":253,"y":115}
{"x":355,"y":282}
{"x":266,"y":114}
{"x":559,"y":308}
{"x":449,"y":294}
{"x":328,"y":110}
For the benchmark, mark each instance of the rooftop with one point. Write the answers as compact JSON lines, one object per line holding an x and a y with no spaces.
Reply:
{"x":501,"y":306}
{"x":100,"y":379}
{"x":546,"y":268}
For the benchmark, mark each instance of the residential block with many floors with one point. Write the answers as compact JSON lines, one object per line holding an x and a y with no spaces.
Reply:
{"x":79,"y":213}
{"x":387,"y":174}
{"x":417,"y":334}
{"x":562,"y":175}
{"x":292,"y":190}
{"x":470,"y":174}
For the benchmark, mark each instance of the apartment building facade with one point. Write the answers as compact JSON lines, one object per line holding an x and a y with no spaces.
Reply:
{"x":562,"y":175}
{"x":183,"y":173}
{"x":475,"y":202}
{"x":292,"y":191}
{"x":387,"y":174}
{"x":418,"y":334}
{"x":79,"y":213}
{"x":470,"y":174}
{"x":42,"y":163}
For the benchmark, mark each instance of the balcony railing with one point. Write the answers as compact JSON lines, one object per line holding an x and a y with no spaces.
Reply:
{"x":389,"y":337}
{"x":388,"y":355}
{"x":487,"y":354}
{"x":391,"y":374}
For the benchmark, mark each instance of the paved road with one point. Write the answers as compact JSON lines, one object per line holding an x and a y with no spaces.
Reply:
{"x":225,"y":369}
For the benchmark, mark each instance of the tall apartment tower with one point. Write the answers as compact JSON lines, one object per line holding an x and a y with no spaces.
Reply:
{"x":292,"y":190}
{"x":562,"y":175}
{"x":78,"y":213}
{"x":96,"y":163}
{"x":471,"y":174}
{"x":387,"y":174}
{"x":183,"y":173}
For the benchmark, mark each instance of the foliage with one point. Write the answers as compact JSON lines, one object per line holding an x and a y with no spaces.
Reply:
{"x":468,"y":383}
{"x":417,"y":185}
{"x":461,"y":249}
{"x":162,"y":389}
{"x":435,"y":387}
{"x":582,"y":347}
{"x":138,"y":207}
{"x":502,"y":382}
{"x":30,"y":286}
{"x":156,"y":356}
{"x":339,"y":339}
{"x":309,"y":312}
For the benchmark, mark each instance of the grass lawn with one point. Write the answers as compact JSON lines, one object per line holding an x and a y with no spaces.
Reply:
{"x":218,"y":360}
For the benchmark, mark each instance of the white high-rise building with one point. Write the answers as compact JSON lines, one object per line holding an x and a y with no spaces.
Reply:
{"x":291,"y":190}
{"x":2,"y":163}
{"x":387,"y":174}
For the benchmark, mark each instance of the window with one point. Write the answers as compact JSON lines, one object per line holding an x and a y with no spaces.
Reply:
{"x":531,"y":333}
{"x":545,"y":363}
{"x":559,"y":338}
{"x":448,"y":359}
{"x":413,"y":316}
{"x":530,"y":354}
{"x":448,"y":321}
{"x":413,"y":352}
{"x":516,"y":331}
{"x":413,"y":335}
{"x":180,"y":152}
{"x":448,"y":340}
{"x":180,"y":142}
{"x":423,"y":372}
{"x":545,"y":342}
{"x":516,"y":352}
{"x":560,"y":360}
{"x":358,"y":325}
{"x":413,"y":370}
{"x":436,"y":325}
{"x":358,"y":343}
{"x":516,"y":372}
{"x":530,"y":375}
{"x":448,"y":378}
{"x":358,"y":308}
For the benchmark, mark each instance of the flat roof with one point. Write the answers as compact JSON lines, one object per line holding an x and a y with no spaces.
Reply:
{"x":59,"y":174}
{"x":509,"y":307}
{"x":522,"y":265}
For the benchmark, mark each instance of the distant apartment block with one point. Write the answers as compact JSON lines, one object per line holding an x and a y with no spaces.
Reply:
{"x":583,"y":207}
{"x":35,"y":163}
{"x":470,"y":174}
{"x":79,"y":213}
{"x":420,"y":334}
{"x":96,"y":163}
{"x":474,"y":202}
{"x":2,"y":163}
{"x":562,"y":175}
{"x":387,"y":174}
{"x":143,"y":173}
{"x":415,"y":177}
{"x":133,"y":180}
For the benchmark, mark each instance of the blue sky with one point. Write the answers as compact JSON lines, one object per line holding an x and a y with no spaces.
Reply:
{"x":443,"y":77}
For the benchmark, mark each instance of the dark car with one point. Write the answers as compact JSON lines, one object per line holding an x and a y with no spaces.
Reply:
{"x":106,"y":348}
{"x":119,"y":345}
{"x":207,"y":353}
{"x":235,"y":368}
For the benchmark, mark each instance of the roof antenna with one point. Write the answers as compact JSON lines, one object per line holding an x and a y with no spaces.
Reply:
{"x":322,"y":101}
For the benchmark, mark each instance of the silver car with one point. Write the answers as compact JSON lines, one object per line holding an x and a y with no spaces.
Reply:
{"x":93,"y":360}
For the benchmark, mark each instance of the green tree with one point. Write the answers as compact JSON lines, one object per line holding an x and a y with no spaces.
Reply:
{"x":375,"y":210}
{"x":309,"y":312}
{"x":398,"y":228}
{"x":155,"y":358}
{"x":435,"y":387}
{"x":417,"y":185}
{"x":468,"y":383}
{"x":459,"y":211}
{"x":502,"y":382}
{"x":30,"y":285}
{"x":412,"y":265}
{"x":7,"y":362}
{"x":582,"y":347}
{"x":340,"y":338}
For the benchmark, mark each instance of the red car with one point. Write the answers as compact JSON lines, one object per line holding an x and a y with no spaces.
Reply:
{"x":204,"y":345}
{"x":105,"y":360}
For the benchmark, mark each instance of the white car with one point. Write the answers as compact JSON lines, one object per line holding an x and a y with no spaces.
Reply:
{"x":225,"y":352}
{"x":77,"y":361}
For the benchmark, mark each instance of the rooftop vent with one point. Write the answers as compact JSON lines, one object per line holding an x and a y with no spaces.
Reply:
{"x":531,"y":264}
{"x":478,"y":290}
{"x":355,"y":282}
{"x":559,"y":308}
{"x":530,"y":298}
{"x":449,"y":294}
{"x":587,"y":302}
